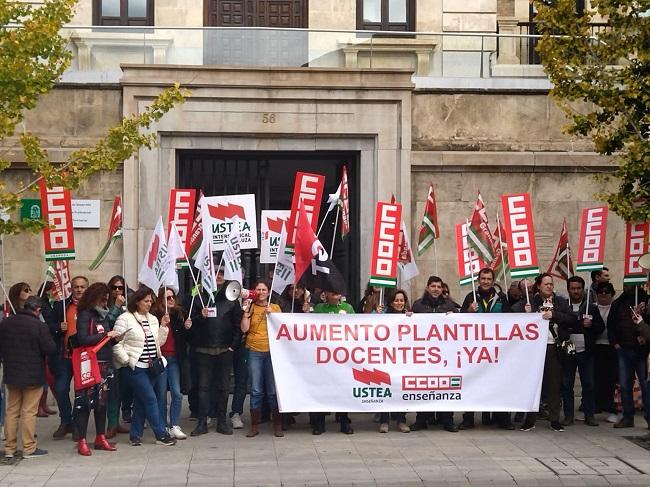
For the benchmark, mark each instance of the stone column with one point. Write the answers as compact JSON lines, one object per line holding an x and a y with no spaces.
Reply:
{"x":508,"y":45}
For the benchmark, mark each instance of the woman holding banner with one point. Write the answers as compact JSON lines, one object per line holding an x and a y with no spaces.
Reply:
{"x":260,"y":367}
{"x":398,"y":302}
{"x":92,"y":327}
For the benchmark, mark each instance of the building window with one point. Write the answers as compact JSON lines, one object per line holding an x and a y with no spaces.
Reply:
{"x":123,"y":12}
{"x":391,"y":15}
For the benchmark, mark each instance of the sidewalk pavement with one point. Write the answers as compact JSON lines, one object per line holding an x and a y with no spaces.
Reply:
{"x":580,"y":456}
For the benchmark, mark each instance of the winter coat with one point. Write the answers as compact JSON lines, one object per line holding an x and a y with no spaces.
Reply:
{"x":24,"y":342}
{"x":128,"y":350}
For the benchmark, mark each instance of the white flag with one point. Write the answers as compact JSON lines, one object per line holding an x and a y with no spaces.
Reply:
{"x":284,"y":272}
{"x":204,"y":263}
{"x":154,"y":266}
{"x":174,"y":252}
{"x":405,"y":261}
{"x":232,"y":255}
{"x":333,"y":198}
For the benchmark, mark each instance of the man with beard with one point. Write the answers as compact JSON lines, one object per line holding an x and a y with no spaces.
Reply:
{"x":433,"y":301}
{"x":488,"y":300}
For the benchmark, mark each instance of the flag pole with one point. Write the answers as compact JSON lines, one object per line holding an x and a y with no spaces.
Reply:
{"x":323,"y":222}
{"x":126,"y":287}
{"x":63,"y":292}
{"x":503,"y":264}
{"x":2,"y":252}
{"x":166,"y":308}
{"x":40,"y":295}
{"x":471,"y":264}
{"x":189,"y":315}
{"x":526,"y":288}
{"x":275,"y":266}
{"x":336,"y":222}
{"x":7,"y":295}
{"x":435,"y":255}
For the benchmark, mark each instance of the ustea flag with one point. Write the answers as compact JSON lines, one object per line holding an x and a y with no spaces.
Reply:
{"x":232,"y":255}
{"x":154,"y":266}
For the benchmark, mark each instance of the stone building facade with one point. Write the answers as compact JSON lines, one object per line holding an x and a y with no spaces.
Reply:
{"x":401,"y":128}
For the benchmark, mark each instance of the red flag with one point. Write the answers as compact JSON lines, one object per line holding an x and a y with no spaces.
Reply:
{"x":591,"y":246}
{"x":345,"y":204}
{"x":181,"y":212}
{"x":636,"y":244}
{"x":561,"y":265}
{"x":307,"y":244}
{"x":57,"y":211}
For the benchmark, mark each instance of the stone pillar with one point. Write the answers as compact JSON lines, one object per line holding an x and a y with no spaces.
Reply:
{"x":508,"y":45}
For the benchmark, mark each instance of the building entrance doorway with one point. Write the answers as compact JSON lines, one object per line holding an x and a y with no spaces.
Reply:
{"x":270,"y":177}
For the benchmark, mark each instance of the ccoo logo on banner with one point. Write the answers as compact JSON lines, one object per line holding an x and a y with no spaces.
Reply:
{"x":426,"y":362}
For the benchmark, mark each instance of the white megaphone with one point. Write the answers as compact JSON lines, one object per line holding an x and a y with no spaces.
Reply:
{"x":234,"y":291}
{"x":644,"y":261}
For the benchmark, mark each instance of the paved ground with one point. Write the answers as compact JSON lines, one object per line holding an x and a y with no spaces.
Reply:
{"x":580,"y":456}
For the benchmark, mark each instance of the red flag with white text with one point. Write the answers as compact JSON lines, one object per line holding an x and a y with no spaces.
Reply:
{"x":591,"y":247}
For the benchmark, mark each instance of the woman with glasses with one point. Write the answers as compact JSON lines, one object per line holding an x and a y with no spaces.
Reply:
{"x":173,"y":349}
{"x":18,"y":294}
{"x":123,"y":394}
{"x":139,"y":353}
{"x":93,"y":325}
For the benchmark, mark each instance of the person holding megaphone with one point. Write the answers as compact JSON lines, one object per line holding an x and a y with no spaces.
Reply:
{"x":216,"y":331}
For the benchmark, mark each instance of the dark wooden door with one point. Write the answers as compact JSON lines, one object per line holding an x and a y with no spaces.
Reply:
{"x":238,"y":46}
{"x":286,"y":14}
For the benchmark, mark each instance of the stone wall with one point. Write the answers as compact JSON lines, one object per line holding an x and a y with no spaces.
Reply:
{"x":67,"y":119}
{"x":502,"y":143}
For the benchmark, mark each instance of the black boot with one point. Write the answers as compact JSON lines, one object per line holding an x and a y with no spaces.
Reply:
{"x":346,"y":427}
{"x":201,"y":427}
{"x":317,"y":421}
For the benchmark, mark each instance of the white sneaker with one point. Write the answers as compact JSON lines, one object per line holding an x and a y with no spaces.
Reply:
{"x":237,"y":423}
{"x":612,"y":418}
{"x":580,"y":417}
{"x":177,"y":432}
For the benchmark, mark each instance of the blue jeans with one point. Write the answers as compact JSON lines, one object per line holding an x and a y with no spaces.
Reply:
{"x":260,"y":369}
{"x":631,"y":360}
{"x":145,"y":403}
{"x":61,"y":367}
{"x":584,"y":362}
{"x":170,"y":379}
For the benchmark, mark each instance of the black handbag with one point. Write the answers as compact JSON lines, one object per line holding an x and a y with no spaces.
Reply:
{"x":156,"y":367}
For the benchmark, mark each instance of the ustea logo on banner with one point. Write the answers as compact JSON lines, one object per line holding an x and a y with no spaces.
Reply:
{"x":369,"y":377}
{"x":218,"y":213}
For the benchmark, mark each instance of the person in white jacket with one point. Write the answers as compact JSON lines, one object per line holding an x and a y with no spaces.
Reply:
{"x":139,"y":353}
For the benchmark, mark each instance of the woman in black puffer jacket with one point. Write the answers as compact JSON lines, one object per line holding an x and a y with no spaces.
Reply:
{"x":92,"y":327}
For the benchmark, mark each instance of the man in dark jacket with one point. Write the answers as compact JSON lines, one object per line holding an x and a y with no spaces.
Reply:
{"x":557,"y":311}
{"x":488,"y":300}
{"x":432,"y":301}
{"x":216,"y":333}
{"x":588,"y":327}
{"x":24,"y":343}
{"x":632,"y":351}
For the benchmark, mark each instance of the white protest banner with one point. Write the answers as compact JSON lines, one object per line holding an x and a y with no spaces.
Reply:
{"x":218,"y":213}
{"x":425,"y":362}
{"x":271,"y":223}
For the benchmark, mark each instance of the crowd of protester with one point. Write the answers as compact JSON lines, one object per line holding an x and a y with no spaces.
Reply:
{"x":151,"y":353}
